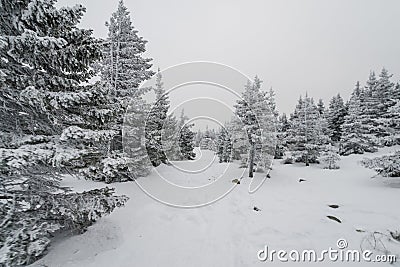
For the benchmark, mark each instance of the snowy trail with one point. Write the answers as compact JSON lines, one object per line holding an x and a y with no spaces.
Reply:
{"x":229,"y":232}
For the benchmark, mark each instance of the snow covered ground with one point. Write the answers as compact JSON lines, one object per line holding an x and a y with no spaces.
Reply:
{"x":229,"y":232}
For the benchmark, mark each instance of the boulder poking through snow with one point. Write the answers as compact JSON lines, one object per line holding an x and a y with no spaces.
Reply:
{"x":236,"y":181}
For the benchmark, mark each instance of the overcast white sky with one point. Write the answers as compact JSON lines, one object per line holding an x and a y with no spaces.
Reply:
{"x":319,"y":46}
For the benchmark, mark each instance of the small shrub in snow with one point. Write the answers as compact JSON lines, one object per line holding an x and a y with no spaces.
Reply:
{"x":387,"y":166}
{"x":308,"y":154}
{"x":288,"y":160}
{"x":330,"y":157}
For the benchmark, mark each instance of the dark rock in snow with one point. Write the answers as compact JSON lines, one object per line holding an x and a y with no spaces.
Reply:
{"x":395,"y":235}
{"x":302,"y":180}
{"x":333,"y":218}
{"x":256,"y":209}
{"x":334,"y":206}
{"x":236,"y":181}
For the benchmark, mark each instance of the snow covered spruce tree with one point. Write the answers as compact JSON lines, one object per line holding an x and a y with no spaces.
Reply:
{"x":255,"y":117}
{"x":282,"y":126}
{"x":186,"y":138}
{"x":335,"y":117}
{"x":306,"y":136}
{"x":133,"y":133}
{"x":393,"y":117}
{"x":224,"y":146}
{"x":124,"y":66}
{"x":372,"y":111}
{"x":44,"y":57}
{"x":170,"y":138}
{"x":166,"y":137}
{"x":155,"y":123}
{"x":197,"y":138}
{"x":375,"y":100}
{"x":271,"y":102}
{"x":239,"y":139}
{"x":94,"y":149}
{"x":385,"y":94}
{"x":96,"y":129}
{"x":369,"y":123}
{"x":208,"y":139}
{"x":354,"y":138}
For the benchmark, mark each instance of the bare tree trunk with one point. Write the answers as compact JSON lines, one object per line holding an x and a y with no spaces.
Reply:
{"x":307,"y":164}
{"x":251,"y":160}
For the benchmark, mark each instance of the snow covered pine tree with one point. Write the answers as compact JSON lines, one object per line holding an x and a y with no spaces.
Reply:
{"x":155,"y":122}
{"x":335,"y":117}
{"x":170,"y":138}
{"x":44,"y":58}
{"x":123,"y":65}
{"x":208,"y":139}
{"x":354,"y":140}
{"x":371,"y":119}
{"x":97,"y":127}
{"x":186,"y":138}
{"x":281,"y":146}
{"x":306,"y":136}
{"x":256,"y":115}
{"x":224,"y":146}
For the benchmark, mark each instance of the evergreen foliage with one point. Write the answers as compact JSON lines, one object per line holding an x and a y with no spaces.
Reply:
{"x":335,"y":117}
{"x":186,"y":138}
{"x":44,"y":59}
{"x":123,"y":65}
{"x":258,"y":120}
{"x":330,"y":157}
{"x":386,"y":166}
{"x":306,"y":135}
{"x":155,"y":123}
{"x":224,"y":146}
